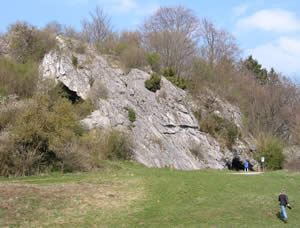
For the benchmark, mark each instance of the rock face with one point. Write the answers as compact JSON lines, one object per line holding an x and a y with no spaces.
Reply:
{"x":165,"y":130}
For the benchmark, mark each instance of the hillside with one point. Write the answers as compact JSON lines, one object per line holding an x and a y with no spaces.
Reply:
{"x":161,"y":95}
{"x":165,"y":130}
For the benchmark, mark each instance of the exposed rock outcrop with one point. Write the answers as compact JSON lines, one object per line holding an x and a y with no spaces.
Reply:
{"x":165,"y":131}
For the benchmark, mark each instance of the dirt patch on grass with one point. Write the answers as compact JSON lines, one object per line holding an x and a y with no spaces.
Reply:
{"x":36,"y":205}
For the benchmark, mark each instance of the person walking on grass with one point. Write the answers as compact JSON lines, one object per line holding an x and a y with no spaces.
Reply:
{"x":246,"y":165}
{"x":284,"y":201}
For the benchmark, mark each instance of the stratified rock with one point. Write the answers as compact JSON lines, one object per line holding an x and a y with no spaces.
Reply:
{"x":165,"y":131}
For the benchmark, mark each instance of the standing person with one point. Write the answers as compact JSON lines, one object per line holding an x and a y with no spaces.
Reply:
{"x":246,"y":165}
{"x":284,"y":201}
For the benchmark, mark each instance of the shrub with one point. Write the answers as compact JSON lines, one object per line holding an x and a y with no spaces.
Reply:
{"x":98,"y":91}
{"x":221,"y":128}
{"x":131,"y":115}
{"x":109,"y":46}
{"x":61,"y":91}
{"x":119,"y":146}
{"x":153,"y":84}
{"x":154,"y":61}
{"x":198,"y":114}
{"x":17,"y":160}
{"x":170,"y":74}
{"x":39,"y":134}
{"x":29,"y":44}
{"x":101,"y":145}
{"x":8,"y":115}
{"x":80,"y":48}
{"x":271,"y":148}
{"x":56,"y":92}
{"x":74,"y":61}
{"x":19,"y":79}
{"x":179,"y":82}
{"x":197,"y":151}
{"x":133,"y":57}
{"x":83,"y":108}
{"x":293,"y":165}
{"x":47,"y":137}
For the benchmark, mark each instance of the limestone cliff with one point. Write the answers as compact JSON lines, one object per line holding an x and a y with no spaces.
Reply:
{"x":165,"y":130}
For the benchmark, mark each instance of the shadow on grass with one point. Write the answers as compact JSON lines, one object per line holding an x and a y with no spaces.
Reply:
{"x":279,"y":217}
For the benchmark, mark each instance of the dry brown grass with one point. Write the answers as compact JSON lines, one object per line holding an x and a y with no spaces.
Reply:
{"x":30,"y":205}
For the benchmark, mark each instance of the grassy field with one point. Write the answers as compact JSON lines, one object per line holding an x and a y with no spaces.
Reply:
{"x":129,"y":195}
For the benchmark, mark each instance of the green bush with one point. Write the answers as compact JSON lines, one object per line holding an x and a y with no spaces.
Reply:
{"x":74,"y":61}
{"x":40,"y":135}
{"x":119,"y":146}
{"x":153,"y":84}
{"x":19,"y":79}
{"x":154,"y":61}
{"x":83,"y":108}
{"x":179,"y":82}
{"x":198,"y":114}
{"x":60,"y":91}
{"x":220,"y":128}
{"x":29,"y":44}
{"x":47,"y":136}
{"x":170,"y":74}
{"x":99,"y":145}
{"x":271,"y":148}
{"x":8,"y":115}
{"x":131,"y":115}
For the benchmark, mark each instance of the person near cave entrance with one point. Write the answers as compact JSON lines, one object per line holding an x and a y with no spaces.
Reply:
{"x":246,"y":166}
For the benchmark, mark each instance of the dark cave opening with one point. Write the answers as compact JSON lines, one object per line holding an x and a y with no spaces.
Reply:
{"x":63,"y":91}
{"x":237,"y":164}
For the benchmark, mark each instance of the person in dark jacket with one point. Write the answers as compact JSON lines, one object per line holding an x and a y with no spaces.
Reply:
{"x":284,"y":201}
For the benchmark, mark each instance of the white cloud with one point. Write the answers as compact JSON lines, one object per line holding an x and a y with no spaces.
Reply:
{"x":276,"y":20}
{"x":282,"y":54}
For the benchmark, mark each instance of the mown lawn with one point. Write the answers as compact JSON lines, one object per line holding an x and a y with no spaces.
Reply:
{"x":129,"y":195}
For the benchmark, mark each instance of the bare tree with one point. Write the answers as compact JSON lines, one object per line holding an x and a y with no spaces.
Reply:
{"x":173,"y":33}
{"x":217,"y":44}
{"x":71,"y":32}
{"x":98,"y":28}
{"x":54,"y":27}
{"x":131,"y":38}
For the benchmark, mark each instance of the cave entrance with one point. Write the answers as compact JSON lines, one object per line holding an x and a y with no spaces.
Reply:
{"x":60,"y":90}
{"x":238,"y":165}
{"x":69,"y":94}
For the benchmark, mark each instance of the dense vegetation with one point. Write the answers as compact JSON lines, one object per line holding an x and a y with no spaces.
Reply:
{"x":172,"y":42}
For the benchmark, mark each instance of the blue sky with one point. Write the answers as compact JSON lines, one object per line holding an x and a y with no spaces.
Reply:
{"x":267,"y":29}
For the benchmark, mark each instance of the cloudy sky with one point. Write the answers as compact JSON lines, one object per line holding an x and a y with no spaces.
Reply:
{"x":267,"y":29}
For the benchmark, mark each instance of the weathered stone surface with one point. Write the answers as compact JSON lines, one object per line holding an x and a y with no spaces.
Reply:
{"x":165,"y":130}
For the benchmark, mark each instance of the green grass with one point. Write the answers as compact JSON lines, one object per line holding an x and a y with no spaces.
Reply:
{"x":129,"y":195}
